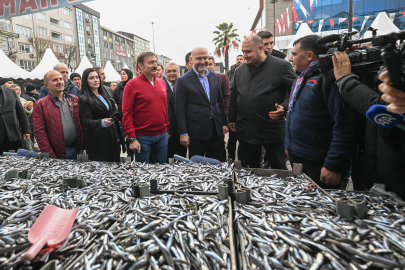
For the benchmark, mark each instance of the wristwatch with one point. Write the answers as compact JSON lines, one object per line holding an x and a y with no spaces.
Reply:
{"x":131,"y":139}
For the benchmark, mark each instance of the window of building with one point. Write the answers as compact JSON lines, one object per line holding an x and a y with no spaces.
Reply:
{"x":56,"y":35}
{"x":66,"y":11}
{"x":24,"y":48}
{"x":123,"y":40}
{"x":87,"y":16}
{"x":68,"y":25}
{"x":88,"y":28}
{"x":55,"y":21}
{"x":105,"y":44}
{"x":58,"y":48}
{"x":41,"y":16}
{"x":111,"y":45}
{"x":42,"y":31}
{"x":73,"y":64}
{"x":5,"y":25}
{"x":23,"y":31}
{"x":69,"y":38}
{"x":27,"y":65}
{"x":90,"y":53}
{"x":89,"y":41}
{"x":26,"y":17}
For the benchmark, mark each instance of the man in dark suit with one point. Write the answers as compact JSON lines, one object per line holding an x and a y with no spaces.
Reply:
{"x":174,"y":146}
{"x":12,"y":115}
{"x":200,"y":111}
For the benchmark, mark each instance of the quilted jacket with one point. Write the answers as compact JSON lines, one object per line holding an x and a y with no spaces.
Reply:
{"x":48,"y":126}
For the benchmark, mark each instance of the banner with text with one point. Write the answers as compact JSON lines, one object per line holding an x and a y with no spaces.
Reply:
{"x":13,"y":8}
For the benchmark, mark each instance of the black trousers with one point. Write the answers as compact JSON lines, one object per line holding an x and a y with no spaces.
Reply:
{"x":252,"y":154}
{"x":211,"y":148}
{"x":174,"y":146}
{"x":313,"y":170}
{"x":7,"y":145}
{"x":232,"y":145}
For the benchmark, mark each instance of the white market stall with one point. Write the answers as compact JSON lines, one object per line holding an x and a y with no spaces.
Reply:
{"x":303,"y":31}
{"x":84,"y":64}
{"x":8,"y":69}
{"x":125,"y":66}
{"x":110,"y":72}
{"x":48,"y":62}
{"x":383,"y":24}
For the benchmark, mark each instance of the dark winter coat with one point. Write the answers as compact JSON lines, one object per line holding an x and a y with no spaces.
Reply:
{"x":100,"y":143}
{"x":320,"y":127}
{"x":383,"y":156}
{"x":118,"y":94}
{"x":254,"y":95}
{"x":49,"y":128}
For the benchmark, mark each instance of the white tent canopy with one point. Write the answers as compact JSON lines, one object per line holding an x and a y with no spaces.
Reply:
{"x":47,"y":63}
{"x":125,"y":66}
{"x":8,"y":69}
{"x":84,"y":64}
{"x":110,"y":73}
{"x":383,"y":25}
{"x":303,"y":31}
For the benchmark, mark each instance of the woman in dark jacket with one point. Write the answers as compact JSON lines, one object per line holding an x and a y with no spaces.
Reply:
{"x":126,"y":75}
{"x":96,"y":110}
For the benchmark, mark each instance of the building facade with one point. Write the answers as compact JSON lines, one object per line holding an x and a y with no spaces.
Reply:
{"x":121,"y":48}
{"x":163,"y":60}
{"x":88,"y":33}
{"x":327,"y":13}
{"x":28,"y":36}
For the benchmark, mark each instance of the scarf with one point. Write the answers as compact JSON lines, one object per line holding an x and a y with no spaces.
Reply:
{"x":314,"y":66}
{"x":130,"y":76}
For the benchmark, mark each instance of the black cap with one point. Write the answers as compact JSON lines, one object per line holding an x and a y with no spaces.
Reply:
{"x":74,"y":75}
{"x":4,"y":80}
{"x":29,"y":87}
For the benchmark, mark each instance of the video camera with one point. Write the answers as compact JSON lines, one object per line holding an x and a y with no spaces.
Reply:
{"x":360,"y":58}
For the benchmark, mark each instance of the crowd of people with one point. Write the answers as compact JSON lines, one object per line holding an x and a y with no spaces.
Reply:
{"x":287,"y":108}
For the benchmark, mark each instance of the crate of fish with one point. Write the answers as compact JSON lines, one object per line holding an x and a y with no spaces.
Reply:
{"x":167,"y":232}
{"x":292,"y":236}
{"x":267,"y":172}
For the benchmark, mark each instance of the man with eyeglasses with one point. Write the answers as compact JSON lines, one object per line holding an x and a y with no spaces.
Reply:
{"x":174,"y":146}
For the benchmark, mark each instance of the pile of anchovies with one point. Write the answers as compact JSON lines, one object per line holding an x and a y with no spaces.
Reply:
{"x":293,"y":225}
{"x":112,"y":229}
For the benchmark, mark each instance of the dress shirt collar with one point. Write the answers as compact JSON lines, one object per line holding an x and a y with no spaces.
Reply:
{"x":199,"y":75}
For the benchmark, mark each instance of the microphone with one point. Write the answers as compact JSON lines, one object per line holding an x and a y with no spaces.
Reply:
{"x":379,"y":115}
{"x":327,"y":39}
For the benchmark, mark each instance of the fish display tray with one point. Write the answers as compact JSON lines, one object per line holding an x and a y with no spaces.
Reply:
{"x":293,"y":231}
{"x":269,"y":172}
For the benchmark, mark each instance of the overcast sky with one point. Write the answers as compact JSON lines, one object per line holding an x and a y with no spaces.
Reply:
{"x":180,"y":25}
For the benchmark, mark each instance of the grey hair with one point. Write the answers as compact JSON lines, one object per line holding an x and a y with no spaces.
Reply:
{"x":257,"y":41}
{"x":172,"y":64}
{"x":113,"y":83}
{"x":58,"y":65}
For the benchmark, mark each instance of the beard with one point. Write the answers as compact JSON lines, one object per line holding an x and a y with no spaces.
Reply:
{"x":201,"y":68}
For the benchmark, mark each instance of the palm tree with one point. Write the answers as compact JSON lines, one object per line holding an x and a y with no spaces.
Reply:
{"x":225,"y":36}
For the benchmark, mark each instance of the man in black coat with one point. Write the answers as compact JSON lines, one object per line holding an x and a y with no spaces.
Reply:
{"x":260,"y":85}
{"x":268,"y":44}
{"x":12,"y":115}
{"x":30,"y":94}
{"x":381,"y":158}
{"x":200,"y":111}
{"x":174,"y":146}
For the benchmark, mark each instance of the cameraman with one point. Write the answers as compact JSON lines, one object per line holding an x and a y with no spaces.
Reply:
{"x":383,"y":156}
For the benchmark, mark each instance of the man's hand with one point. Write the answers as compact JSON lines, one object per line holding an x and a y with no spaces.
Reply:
{"x":185,"y":140}
{"x":278,"y":114}
{"x":225,"y":129}
{"x":330,"y":178}
{"x":26,"y":137}
{"x":135,"y":145}
{"x":232,"y":126}
{"x":108,"y":122}
{"x":168,"y":135}
{"x":395,"y":97}
{"x":341,"y":64}
{"x":116,"y":107}
{"x":286,"y":152}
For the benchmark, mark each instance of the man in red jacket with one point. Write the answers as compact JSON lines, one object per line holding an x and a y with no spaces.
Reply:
{"x":146,"y":117}
{"x":57,"y":121}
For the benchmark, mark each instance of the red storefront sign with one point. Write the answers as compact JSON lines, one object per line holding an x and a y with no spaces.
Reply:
{"x":121,"y":53}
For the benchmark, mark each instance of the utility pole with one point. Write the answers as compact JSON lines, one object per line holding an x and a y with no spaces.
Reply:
{"x":350,"y":17}
{"x":274,"y":15}
{"x":153,"y":31}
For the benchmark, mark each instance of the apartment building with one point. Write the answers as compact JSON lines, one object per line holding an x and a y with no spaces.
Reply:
{"x":25,"y":38}
{"x":88,"y":33}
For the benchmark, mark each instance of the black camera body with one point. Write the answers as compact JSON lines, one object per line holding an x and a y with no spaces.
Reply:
{"x":360,"y":58}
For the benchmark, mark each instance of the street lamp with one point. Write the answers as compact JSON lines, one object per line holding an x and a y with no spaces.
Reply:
{"x":274,"y":15}
{"x":153,"y":31}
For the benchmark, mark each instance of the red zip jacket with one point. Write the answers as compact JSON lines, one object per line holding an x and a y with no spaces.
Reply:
{"x":49,"y":128}
{"x":145,"y":107}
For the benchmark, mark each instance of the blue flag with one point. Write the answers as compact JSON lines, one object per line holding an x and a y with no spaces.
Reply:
{"x":12,"y":8}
